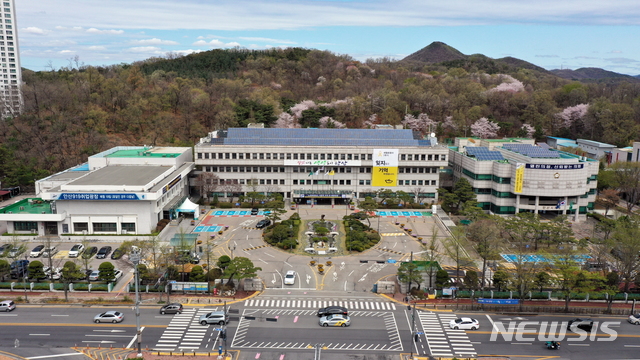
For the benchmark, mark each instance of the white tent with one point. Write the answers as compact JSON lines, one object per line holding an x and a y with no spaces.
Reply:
{"x":188,"y":207}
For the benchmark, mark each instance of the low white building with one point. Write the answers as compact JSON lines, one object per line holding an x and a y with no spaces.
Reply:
{"x":124,"y":190}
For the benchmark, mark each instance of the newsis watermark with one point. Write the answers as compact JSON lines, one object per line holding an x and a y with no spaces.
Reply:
{"x":525,"y":331}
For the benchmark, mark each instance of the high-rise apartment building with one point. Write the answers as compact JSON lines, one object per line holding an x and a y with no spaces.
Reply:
{"x":10,"y":70}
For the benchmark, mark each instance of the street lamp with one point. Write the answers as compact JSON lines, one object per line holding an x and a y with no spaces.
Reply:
{"x":24,"y":284}
{"x":135,"y":259}
{"x":231,"y":249}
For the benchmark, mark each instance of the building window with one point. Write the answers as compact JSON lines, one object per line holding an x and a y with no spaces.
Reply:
{"x":80,"y":227}
{"x":361,"y":182}
{"x":420,"y":182}
{"x":295,"y":182}
{"x":199,"y":155}
{"x":25,"y":225}
{"x":104,"y":227}
{"x":288,"y":156}
{"x":295,"y":156}
{"x":348,"y":182}
{"x":128,"y":227}
{"x":434,"y":182}
{"x":281,"y":181}
{"x":261,"y":181}
{"x":403,"y":157}
{"x":401,"y":182}
{"x":268,"y":156}
{"x":226,"y":155}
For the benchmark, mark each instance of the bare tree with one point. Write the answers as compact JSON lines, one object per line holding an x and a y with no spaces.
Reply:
{"x":626,"y":178}
{"x":486,"y":236}
{"x":432,"y":255}
{"x":206,"y":183}
{"x":231,"y":187}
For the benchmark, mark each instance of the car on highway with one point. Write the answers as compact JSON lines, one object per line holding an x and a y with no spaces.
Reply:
{"x":255,"y":211}
{"x":174,"y":308}
{"x":109,"y":316}
{"x":290,"y":277}
{"x":331,"y":310}
{"x":335,"y":320}
{"x":103,"y":252}
{"x":118,"y":253}
{"x":91,"y":250}
{"x":263,"y":223}
{"x":582,"y":324}
{"x":7,"y":305}
{"x":634,"y":319}
{"x":36,"y":251}
{"x":16,"y":251}
{"x":214,"y":317}
{"x":464,"y":323}
{"x":49,"y":252}
{"x":76,"y":250}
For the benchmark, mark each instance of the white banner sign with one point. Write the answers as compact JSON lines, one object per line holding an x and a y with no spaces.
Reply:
{"x":322,"y":163}
{"x":385,"y":157}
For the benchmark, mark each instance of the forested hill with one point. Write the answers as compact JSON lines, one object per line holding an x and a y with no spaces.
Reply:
{"x":72,"y":113}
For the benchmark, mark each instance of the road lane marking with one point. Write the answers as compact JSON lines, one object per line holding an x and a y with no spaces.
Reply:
{"x":58,"y":315}
{"x":40,"y":334}
{"x":52,"y":356}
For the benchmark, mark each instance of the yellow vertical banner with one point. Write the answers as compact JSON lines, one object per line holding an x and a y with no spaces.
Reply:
{"x":385,"y":167}
{"x":517,"y":186}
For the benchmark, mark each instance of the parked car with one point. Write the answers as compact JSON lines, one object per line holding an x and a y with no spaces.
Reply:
{"x":214,"y":317}
{"x":91,"y":250}
{"x":290,"y":277}
{"x":7,"y":305}
{"x":37,"y":251}
{"x":331,"y":310}
{"x":117,"y":253}
{"x":4,"y":249}
{"x":634,"y":319}
{"x":19,"y":268}
{"x":76,"y":250}
{"x":117,"y":274}
{"x":263,"y":223}
{"x":583,"y":324}
{"x":109,"y":316}
{"x":94,"y":275}
{"x":174,"y":308}
{"x":255,"y":211}
{"x":16,"y":251}
{"x":49,"y":252}
{"x":335,"y":320}
{"x":103,"y":252}
{"x":464,"y":323}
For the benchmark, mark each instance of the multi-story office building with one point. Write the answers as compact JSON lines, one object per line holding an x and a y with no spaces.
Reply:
{"x":321,"y":166}
{"x":511,"y":176}
{"x":10,"y":70}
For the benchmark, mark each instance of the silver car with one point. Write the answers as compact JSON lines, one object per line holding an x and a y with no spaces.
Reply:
{"x":335,"y":320}
{"x":214,"y":317}
{"x":109,"y":316}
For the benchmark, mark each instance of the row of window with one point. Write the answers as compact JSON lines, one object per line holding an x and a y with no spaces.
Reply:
{"x":296,"y":156}
{"x":103,"y":227}
{"x":308,"y":170}
{"x":417,"y":182}
{"x":497,"y":179}
{"x":510,"y":210}
{"x":502,"y":194}
{"x":313,"y":182}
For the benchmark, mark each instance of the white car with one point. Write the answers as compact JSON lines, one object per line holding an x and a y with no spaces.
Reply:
{"x":464,"y":324}
{"x":37,"y":251}
{"x":634,"y":319}
{"x":290,"y":277}
{"x":76,"y":250}
{"x":94,"y":275}
{"x":117,"y":274}
{"x":48,"y":252}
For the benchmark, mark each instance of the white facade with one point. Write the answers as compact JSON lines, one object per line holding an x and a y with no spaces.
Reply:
{"x":10,"y":70}
{"x":520,"y":183}
{"x":124,"y":190}
{"x":330,"y":174}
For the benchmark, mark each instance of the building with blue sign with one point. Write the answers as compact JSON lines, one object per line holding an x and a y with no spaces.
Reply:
{"x":124,"y":190}
{"x":510,"y":176}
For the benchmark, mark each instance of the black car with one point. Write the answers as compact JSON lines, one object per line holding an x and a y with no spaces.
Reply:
{"x":331,"y":310}
{"x":103,"y":252}
{"x":174,"y":308}
{"x":117,"y":253}
{"x":263,"y":223}
{"x":254,"y":211}
{"x":583,"y":324}
{"x":91,"y":250}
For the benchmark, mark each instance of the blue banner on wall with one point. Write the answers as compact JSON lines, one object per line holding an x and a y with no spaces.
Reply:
{"x":89,"y":196}
{"x":499,"y":301}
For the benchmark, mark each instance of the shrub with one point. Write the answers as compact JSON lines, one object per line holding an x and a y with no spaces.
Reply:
{"x":225,"y":205}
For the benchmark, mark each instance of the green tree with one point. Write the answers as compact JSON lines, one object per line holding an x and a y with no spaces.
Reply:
{"x":626,"y":247}
{"x":461,"y":194}
{"x":432,"y":255}
{"x":408,"y":274}
{"x":368,"y":206}
{"x":501,"y":279}
{"x":197,"y":274}
{"x":542,"y":280}
{"x":485,"y":234}
{"x":223,"y":262}
{"x":626,"y":179}
{"x":442,"y":279}
{"x":5,"y":269}
{"x":471,"y":280}
{"x":35,"y":269}
{"x":69,"y":274}
{"x":106,"y":271}
{"x":241,"y":268}
{"x":275,"y":213}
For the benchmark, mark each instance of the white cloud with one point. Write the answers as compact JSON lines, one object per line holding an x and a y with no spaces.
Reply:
{"x":154,"y":41}
{"x":34,"y":30}
{"x":143,"y":49}
{"x":67,"y":51}
{"x":547,"y":56}
{"x":267,"y":40}
{"x":110,"y":32}
{"x":96,"y":48}
{"x":616,"y":51}
{"x":74,"y":28}
{"x":215,"y":43}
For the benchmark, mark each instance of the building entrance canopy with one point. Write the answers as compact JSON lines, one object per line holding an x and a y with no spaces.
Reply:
{"x":188,"y":207}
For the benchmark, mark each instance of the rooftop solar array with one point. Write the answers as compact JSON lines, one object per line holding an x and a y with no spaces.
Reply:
{"x":482,"y":153}
{"x":319,"y":137}
{"x":531,"y":151}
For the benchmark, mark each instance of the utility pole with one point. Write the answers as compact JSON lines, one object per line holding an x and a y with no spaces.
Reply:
{"x":135,"y":259}
{"x":410,"y":276}
{"x":414,"y":336}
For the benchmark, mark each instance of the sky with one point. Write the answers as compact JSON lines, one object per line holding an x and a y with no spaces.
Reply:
{"x":553,"y":34}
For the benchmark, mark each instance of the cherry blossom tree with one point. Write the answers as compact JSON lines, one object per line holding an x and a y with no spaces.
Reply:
{"x":297,"y":109}
{"x":571,"y":115}
{"x":485,"y":129}
{"x":509,"y":84}
{"x":422,"y":123}
{"x":371,"y":122}
{"x":328,"y":122}
{"x":286,"y":121}
{"x":529,"y":129}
